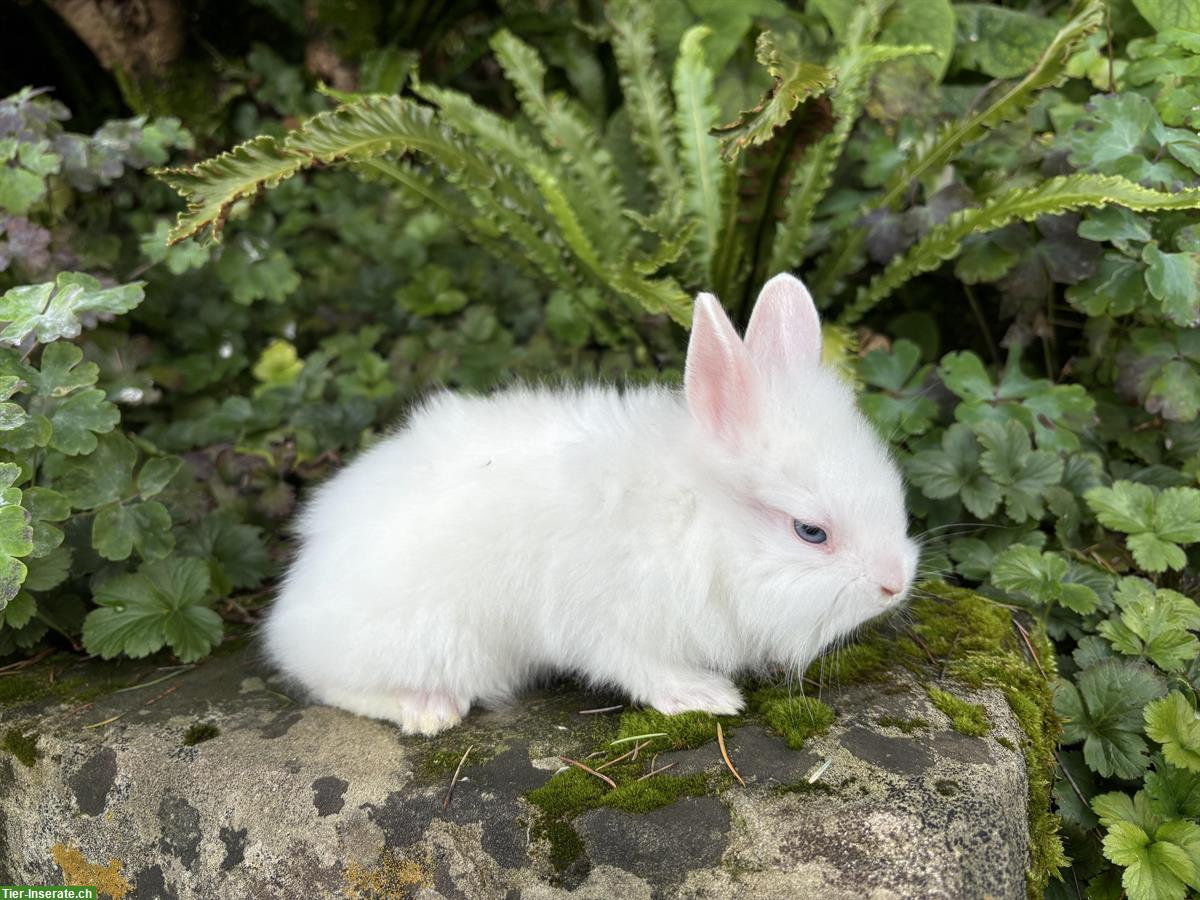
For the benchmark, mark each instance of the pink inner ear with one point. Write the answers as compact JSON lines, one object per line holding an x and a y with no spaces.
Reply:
{"x":719,"y":377}
{"x":784,"y":330}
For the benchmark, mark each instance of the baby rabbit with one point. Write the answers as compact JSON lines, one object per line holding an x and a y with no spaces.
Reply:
{"x":654,"y":539}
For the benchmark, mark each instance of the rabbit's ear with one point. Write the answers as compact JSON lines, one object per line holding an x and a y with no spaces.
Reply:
{"x":784,"y":329}
{"x":719,"y":378}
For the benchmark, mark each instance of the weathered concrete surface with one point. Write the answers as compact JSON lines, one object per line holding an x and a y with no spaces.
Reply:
{"x":293,"y":799}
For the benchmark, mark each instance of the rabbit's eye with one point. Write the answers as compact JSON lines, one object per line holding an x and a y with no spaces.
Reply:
{"x":810,"y":533}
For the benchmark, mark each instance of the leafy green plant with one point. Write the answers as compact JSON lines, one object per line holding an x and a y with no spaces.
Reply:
{"x":994,"y":206}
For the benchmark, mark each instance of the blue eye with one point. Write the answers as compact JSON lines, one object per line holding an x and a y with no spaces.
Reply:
{"x":810,"y":533}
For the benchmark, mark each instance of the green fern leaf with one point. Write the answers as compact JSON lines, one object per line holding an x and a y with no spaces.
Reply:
{"x":663,"y":295}
{"x":669,"y":249}
{"x":795,"y":81}
{"x":1058,"y":195}
{"x":371,"y":127}
{"x":560,"y":208}
{"x":695,"y":113}
{"x":852,"y":66}
{"x":565,"y":129}
{"x":1049,"y":71}
{"x":646,"y":96}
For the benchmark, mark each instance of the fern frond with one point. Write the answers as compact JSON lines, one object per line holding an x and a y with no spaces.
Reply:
{"x":371,"y":127}
{"x":565,"y":129}
{"x":795,"y":81}
{"x":1055,"y":196}
{"x":563,"y":213}
{"x":669,"y":249}
{"x":852,"y":66}
{"x":1049,"y":71}
{"x":645,"y":93}
{"x":695,"y":113}
{"x":662,"y":295}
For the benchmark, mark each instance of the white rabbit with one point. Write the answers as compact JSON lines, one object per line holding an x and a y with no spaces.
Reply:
{"x":653,"y":539}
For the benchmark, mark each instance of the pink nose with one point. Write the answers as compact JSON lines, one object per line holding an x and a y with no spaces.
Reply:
{"x":891,"y":578}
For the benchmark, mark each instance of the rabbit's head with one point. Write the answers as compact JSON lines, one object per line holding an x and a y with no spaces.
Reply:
{"x":814,"y":505}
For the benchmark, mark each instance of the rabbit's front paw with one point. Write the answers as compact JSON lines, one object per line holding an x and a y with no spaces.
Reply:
{"x":698,"y":692}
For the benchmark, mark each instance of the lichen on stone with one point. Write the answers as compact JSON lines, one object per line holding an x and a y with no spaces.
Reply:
{"x":908,"y":726}
{"x":393,"y":875}
{"x":107,"y":879}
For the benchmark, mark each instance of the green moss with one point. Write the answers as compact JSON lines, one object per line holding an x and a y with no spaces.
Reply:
{"x":21,"y":745}
{"x":908,"y":726}
{"x":965,"y":718}
{"x":572,"y":792}
{"x":199,"y":733}
{"x":946,"y":787}
{"x":683,"y":730}
{"x":566,"y":846}
{"x":1006,"y":743}
{"x":867,"y":659}
{"x":981,"y":648}
{"x":796,"y":718}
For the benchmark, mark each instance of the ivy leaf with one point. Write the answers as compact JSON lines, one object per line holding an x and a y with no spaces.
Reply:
{"x":120,"y":529}
{"x":51,"y":311}
{"x":162,"y":603}
{"x":77,"y":420}
{"x":61,"y":372}
{"x":1172,"y":722}
{"x":1104,"y":710}
{"x":899,"y":405}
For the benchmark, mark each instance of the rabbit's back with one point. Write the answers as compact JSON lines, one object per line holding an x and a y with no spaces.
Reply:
{"x":482,"y":530}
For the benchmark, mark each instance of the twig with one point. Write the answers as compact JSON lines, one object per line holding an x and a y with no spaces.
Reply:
{"x":632,"y":753}
{"x":638,"y":737}
{"x":172,"y":689}
{"x":946,"y":661}
{"x":820,"y":770}
{"x":921,"y":643}
{"x":589,"y":770}
{"x":657,"y":771}
{"x":14,"y":668}
{"x":454,"y":779}
{"x":1032,"y":652}
{"x":138,"y":687}
{"x":725,"y":755}
{"x":105,"y":722}
{"x":603,"y":709}
{"x":1071,"y":781}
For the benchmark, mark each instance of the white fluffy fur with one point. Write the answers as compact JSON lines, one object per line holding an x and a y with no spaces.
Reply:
{"x":619,"y":536}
